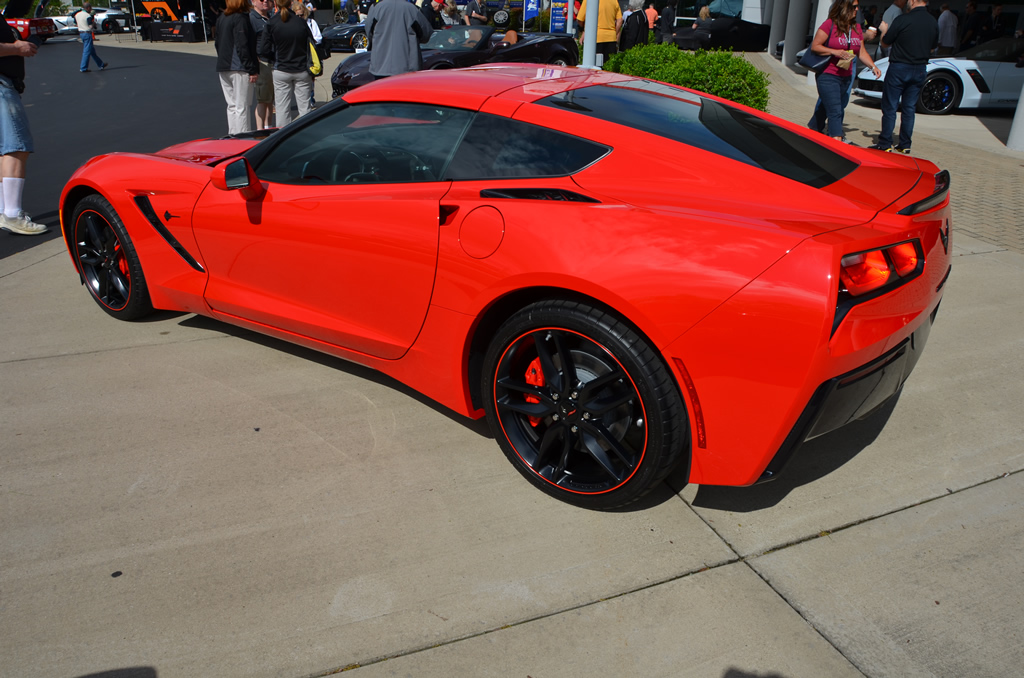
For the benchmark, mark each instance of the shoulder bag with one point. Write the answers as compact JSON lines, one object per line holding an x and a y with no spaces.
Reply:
{"x":813,"y":61}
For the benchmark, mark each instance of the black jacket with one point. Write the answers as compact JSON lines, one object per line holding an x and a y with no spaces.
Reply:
{"x":236,"y":44}
{"x":634,"y":31}
{"x":433,"y":17}
{"x":285,"y":44}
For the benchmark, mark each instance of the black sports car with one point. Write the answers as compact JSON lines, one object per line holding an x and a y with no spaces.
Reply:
{"x":461,"y":46}
{"x":726,"y":33}
{"x":346,"y":37}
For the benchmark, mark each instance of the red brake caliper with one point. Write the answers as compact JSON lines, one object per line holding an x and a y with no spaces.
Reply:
{"x":122,"y":262}
{"x":534,"y":377}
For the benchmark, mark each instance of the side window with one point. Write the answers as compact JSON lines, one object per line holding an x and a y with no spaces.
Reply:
{"x":379,"y":142}
{"x":500,"y":148}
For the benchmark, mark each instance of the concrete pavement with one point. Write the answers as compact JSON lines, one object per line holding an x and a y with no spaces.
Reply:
{"x":269,"y":511}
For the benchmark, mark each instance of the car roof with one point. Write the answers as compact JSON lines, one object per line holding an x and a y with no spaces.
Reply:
{"x":471,"y":87}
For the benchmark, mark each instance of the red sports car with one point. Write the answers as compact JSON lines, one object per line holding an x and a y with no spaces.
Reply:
{"x":625,"y":277}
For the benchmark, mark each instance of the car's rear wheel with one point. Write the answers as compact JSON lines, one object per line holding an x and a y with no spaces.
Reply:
{"x":582,"y":405}
{"x":107,"y":260}
{"x":940,"y":94}
{"x":560,"y":60}
{"x":360,"y":41}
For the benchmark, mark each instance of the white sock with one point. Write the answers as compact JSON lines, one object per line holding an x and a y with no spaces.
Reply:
{"x":12,"y":196}
{"x":1,"y":197}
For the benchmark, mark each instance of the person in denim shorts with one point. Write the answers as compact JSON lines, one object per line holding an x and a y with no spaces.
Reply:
{"x":15,"y":137}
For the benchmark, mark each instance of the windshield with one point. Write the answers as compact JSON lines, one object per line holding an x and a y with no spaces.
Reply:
{"x":1000,"y":49}
{"x":458,"y":38}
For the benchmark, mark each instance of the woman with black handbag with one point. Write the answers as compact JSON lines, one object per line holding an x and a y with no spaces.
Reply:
{"x":840,"y":39}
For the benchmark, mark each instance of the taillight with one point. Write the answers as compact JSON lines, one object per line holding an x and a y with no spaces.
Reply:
{"x":904,"y":258}
{"x":862,"y":273}
{"x":891,"y":266}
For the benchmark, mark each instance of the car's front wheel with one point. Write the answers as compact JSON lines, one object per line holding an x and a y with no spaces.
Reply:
{"x":107,"y":260}
{"x":940,"y":94}
{"x":583,"y":406}
{"x":360,"y":41}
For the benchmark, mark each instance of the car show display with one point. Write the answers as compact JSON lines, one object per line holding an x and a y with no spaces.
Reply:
{"x":989,"y":75}
{"x":562,"y":251}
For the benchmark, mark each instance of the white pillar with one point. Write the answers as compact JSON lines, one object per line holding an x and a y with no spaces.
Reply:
{"x":1015,"y":142}
{"x":797,"y":25}
{"x":779,"y":12}
{"x":590,"y":34}
{"x":766,"y":18}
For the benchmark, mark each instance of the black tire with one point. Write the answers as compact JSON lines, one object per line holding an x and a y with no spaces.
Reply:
{"x":940,"y":94}
{"x":341,"y":16}
{"x":582,"y":406}
{"x":360,"y":41}
{"x":561,"y":60}
{"x":107,"y":260}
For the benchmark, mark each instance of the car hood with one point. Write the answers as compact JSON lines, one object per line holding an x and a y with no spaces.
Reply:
{"x":207,"y":151}
{"x":343,"y":30}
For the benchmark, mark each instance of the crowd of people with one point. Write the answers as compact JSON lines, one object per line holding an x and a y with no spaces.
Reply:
{"x":263,"y":60}
{"x":908,"y":33}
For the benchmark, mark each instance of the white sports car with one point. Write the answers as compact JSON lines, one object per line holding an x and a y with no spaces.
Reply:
{"x":987,"y":76}
{"x":107,"y":21}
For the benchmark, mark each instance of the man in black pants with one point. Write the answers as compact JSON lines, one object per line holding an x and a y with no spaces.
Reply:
{"x":911,"y":39}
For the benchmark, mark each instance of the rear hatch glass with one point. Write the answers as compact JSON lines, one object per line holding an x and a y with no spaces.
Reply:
{"x":710,"y":125}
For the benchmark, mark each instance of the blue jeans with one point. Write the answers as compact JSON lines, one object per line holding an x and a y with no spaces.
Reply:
{"x":88,"y":51}
{"x":819,"y":117}
{"x":834,"y":93}
{"x":901,"y":88}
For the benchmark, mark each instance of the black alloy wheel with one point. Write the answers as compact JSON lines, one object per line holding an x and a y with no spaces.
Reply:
{"x":582,"y":406}
{"x":940,"y":94}
{"x":107,"y":260}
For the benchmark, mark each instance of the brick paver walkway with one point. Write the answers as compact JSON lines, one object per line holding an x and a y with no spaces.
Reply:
{"x":987,"y":186}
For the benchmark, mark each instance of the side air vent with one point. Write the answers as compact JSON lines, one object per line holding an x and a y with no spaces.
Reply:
{"x":146,"y":207}
{"x":557,"y":194}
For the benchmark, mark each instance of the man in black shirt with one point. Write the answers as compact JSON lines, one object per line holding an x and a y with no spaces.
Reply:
{"x":475,"y":16}
{"x":432,"y":11}
{"x":910,"y":39}
{"x":15,"y":137}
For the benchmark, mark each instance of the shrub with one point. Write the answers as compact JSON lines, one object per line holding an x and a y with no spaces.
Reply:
{"x":720,"y":73}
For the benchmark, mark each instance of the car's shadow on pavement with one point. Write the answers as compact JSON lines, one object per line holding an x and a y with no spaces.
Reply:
{"x":478,"y":426}
{"x":810,"y":461}
{"x":659,"y":495}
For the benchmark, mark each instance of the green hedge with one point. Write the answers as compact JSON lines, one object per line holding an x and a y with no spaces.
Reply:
{"x":720,"y":73}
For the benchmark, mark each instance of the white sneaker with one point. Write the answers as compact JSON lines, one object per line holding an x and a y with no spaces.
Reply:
{"x":21,"y":224}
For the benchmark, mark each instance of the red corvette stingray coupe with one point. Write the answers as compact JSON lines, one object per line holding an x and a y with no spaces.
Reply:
{"x":625,"y":277}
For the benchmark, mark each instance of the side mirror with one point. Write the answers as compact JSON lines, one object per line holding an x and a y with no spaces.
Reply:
{"x":237,"y":175}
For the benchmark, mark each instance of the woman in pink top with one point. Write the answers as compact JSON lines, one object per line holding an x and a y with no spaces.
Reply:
{"x":840,"y":38}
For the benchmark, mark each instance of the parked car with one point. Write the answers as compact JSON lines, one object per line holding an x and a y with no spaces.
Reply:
{"x":989,"y":75}
{"x":106,"y":21}
{"x":38,"y":28}
{"x":461,"y":46}
{"x":346,"y":37}
{"x":728,"y":33}
{"x":561,"y":250}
